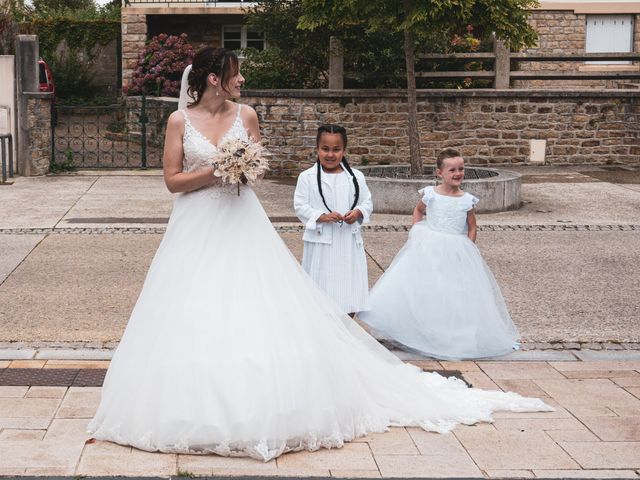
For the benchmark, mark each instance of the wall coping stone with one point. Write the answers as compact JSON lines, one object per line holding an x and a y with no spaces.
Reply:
{"x":441,"y":93}
{"x":435,"y":93}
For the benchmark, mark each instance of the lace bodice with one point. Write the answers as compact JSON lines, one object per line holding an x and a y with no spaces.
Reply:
{"x":199,"y":151}
{"x":447,"y":214}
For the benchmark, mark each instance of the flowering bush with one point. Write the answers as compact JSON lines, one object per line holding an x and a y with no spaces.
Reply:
{"x":160,"y":66}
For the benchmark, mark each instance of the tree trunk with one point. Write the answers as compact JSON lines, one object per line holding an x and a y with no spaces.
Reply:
{"x":412,"y":107}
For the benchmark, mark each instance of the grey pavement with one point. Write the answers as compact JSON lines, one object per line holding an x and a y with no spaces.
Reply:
{"x":562,"y":283}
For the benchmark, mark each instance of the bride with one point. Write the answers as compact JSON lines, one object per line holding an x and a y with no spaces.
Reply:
{"x":231,"y":348}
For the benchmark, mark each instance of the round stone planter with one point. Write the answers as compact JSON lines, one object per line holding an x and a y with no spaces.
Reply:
{"x":393,"y":192}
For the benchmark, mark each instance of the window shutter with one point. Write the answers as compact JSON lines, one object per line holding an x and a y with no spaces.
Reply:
{"x":609,"y":33}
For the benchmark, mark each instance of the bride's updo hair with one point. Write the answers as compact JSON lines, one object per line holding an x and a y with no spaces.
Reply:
{"x":223,"y":63}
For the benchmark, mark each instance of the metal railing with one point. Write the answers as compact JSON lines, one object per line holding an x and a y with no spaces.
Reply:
{"x":6,"y":143}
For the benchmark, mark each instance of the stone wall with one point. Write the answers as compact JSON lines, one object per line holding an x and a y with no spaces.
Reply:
{"x":38,"y":139}
{"x":488,"y":126}
{"x":563,"y":31}
{"x":134,"y":37}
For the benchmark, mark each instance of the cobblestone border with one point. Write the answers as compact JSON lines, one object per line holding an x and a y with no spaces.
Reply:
{"x":299,"y":228}
{"x":527,"y":346}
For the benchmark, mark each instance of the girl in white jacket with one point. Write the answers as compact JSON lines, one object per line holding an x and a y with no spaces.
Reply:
{"x":333,"y":200}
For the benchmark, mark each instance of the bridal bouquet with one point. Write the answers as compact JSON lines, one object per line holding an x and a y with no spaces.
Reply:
{"x":240,"y":161}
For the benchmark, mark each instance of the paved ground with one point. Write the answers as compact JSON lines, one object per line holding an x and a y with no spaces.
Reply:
{"x":74,"y":251}
{"x":594,"y":432}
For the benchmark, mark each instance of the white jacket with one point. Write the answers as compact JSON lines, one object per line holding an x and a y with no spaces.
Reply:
{"x":308,"y":205}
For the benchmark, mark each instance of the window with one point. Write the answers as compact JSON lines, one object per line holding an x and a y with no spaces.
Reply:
{"x":235,"y":37}
{"x":609,"y":33}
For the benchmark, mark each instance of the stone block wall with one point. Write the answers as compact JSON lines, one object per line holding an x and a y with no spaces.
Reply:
{"x":38,"y":137}
{"x":489,"y":127}
{"x":134,"y":37}
{"x":563,"y":31}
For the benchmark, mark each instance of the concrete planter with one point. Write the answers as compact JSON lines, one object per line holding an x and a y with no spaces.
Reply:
{"x":498,"y":190}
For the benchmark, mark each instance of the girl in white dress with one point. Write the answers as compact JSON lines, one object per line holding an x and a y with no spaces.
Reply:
{"x":231,"y":348}
{"x":438,"y":296}
{"x":333,"y":200}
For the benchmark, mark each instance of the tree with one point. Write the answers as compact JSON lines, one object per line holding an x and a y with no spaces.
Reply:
{"x":58,"y":5}
{"x":417,"y":18}
{"x":306,"y":52}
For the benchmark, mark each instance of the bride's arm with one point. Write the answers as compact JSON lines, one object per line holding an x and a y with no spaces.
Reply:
{"x":250,"y":121}
{"x":175,"y":179}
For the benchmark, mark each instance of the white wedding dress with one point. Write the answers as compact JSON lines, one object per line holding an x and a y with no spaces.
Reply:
{"x":232,"y":349}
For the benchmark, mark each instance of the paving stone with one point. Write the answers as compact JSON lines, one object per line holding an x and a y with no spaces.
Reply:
{"x":604,"y":455}
{"x":79,"y":364}
{"x":590,"y":393}
{"x":514,"y":450}
{"x":300,"y":472}
{"x":509,"y":474}
{"x":461,"y":366}
{"x":12,"y":471}
{"x":79,"y":403}
{"x":635,"y":391}
{"x":596,"y":365}
{"x":72,"y":354}
{"x":106,"y":459}
{"x":614,"y":429}
{"x":46,"y":392}
{"x":396,"y":441}
{"x":8,"y":435}
{"x":427,"y":466}
{"x":27,"y":364}
{"x":353,"y":456}
{"x":519,"y":371}
{"x":436,"y":444}
{"x":355,"y":473}
{"x":540,"y":355}
{"x":68,"y":430}
{"x":13,"y":392}
{"x":428,"y":365}
{"x":627,"y":381}
{"x":38,"y":454}
{"x":582,"y":435}
{"x":585,"y":474}
{"x":527,"y":424}
{"x":4,"y":363}
{"x":51,"y":471}
{"x":590,"y":355}
{"x":32,"y":423}
{"x":10,"y":354}
{"x":216,"y":465}
{"x":480,"y":380}
{"x":632,"y":375}
{"x":526,"y":388}
{"x":28,"y":407}
{"x":626,"y":411}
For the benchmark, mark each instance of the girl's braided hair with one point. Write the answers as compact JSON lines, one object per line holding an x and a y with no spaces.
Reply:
{"x":223,"y":63}
{"x":343,"y":133}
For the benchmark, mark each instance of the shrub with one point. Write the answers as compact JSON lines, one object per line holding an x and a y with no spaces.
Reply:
{"x":272,"y":68}
{"x":160,"y":66}
{"x":73,"y":77}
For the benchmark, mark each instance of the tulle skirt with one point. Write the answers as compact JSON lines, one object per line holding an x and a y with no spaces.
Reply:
{"x":439,"y":297}
{"x":231,"y":349}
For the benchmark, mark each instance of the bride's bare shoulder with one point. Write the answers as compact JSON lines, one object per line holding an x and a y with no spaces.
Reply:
{"x":176,"y":120}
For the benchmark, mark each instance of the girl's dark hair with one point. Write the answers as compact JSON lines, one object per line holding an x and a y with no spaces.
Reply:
{"x":223,"y":63}
{"x":339,"y":129}
{"x":446,"y":153}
